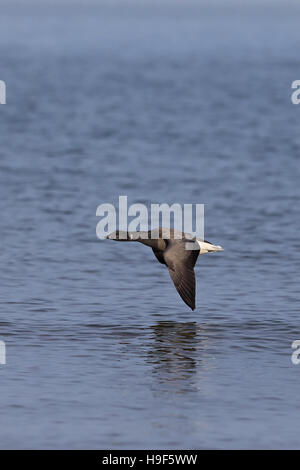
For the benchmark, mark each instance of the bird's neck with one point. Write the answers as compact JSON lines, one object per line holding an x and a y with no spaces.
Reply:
{"x":144,"y":238}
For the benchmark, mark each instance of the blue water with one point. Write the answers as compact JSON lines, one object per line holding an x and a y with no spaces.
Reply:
{"x":162,"y":104}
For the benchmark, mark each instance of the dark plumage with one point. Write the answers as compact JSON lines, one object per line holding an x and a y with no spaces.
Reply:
{"x":170,"y":248}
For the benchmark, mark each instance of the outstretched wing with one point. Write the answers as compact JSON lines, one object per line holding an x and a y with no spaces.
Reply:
{"x":184,"y":281}
{"x":159,"y":255}
{"x":181,"y":264}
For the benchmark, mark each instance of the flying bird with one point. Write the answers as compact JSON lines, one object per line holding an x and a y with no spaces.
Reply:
{"x":177,"y":250}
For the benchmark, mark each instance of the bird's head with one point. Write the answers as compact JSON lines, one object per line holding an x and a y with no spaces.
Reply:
{"x":119,"y":235}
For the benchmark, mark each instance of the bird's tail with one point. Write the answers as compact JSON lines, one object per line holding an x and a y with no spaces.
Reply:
{"x":207,"y":247}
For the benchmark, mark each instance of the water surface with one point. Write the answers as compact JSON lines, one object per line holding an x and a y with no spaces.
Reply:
{"x":163,"y":105}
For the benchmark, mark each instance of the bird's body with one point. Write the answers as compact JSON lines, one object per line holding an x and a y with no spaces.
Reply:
{"x":178,"y":251}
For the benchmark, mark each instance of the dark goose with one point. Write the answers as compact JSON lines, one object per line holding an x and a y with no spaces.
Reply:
{"x":169,"y":247}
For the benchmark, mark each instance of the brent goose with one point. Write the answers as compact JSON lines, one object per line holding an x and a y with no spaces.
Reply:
{"x":169,"y":247}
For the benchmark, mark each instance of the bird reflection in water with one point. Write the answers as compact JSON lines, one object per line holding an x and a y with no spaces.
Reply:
{"x":175,"y":350}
